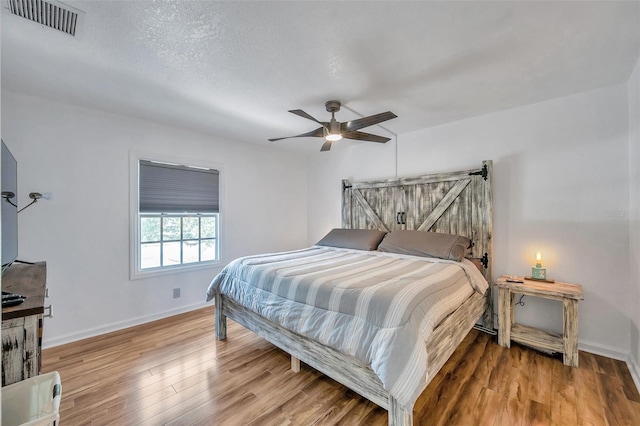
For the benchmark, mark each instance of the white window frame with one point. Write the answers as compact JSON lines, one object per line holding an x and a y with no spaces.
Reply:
{"x":134,"y":266}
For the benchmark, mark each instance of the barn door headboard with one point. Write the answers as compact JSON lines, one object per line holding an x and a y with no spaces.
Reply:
{"x":457,"y":203}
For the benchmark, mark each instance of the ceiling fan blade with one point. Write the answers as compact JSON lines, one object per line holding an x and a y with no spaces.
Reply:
{"x":318,"y":133}
{"x":326,"y":146}
{"x":362,"y":136}
{"x":367,"y":121}
{"x":303,"y":114}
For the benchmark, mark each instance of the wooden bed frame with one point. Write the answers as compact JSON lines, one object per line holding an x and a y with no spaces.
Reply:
{"x":459,"y":203}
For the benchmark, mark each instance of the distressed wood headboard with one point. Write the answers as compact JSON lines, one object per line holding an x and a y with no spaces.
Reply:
{"x":457,"y":203}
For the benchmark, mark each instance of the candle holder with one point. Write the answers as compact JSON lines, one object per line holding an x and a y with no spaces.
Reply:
{"x":538,"y":273}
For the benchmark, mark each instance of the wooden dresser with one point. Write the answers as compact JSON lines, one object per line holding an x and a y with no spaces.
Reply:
{"x":22,"y":324}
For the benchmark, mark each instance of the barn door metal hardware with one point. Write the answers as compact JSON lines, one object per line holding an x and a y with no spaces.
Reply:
{"x":401,"y":218}
{"x":484,"y":172}
{"x":485,"y":260}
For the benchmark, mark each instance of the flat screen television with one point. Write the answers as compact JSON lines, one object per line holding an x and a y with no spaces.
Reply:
{"x":8,"y":206}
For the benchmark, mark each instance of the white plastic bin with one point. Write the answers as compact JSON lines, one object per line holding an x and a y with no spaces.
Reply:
{"x":31,"y":402}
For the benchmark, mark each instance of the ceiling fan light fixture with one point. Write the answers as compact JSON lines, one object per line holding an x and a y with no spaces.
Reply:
{"x":333,"y":137}
{"x":333,"y":132}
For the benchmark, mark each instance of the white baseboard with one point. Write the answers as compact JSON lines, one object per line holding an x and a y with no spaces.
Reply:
{"x":609,"y":352}
{"x":634,"y":369}
{"x":115,"y":326}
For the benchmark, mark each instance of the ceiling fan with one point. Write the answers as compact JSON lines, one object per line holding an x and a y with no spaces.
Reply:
{"x":333,"y":130}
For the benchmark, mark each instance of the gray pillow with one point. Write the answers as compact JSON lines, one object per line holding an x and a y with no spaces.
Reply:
{"x":359,"y":239}
{"x":429,"y":244}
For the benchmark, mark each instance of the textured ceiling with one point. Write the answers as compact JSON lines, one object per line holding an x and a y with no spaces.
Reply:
{"x":233,"y":69}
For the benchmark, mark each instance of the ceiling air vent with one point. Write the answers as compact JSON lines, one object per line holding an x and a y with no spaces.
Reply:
{"x":49,"y":13}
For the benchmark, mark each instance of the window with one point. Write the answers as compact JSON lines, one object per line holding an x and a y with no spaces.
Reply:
{"x":174,"y":239}
{"x":177,"y":216}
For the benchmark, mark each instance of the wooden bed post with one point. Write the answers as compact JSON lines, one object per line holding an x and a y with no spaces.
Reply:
{"x":295,"y":364}
{"x":487,"y":235}
{"x":221,"y":319}
{"x":398,"y":415}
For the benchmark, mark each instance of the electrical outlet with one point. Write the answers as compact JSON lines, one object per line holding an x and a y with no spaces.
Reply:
{"x":176,"y":293}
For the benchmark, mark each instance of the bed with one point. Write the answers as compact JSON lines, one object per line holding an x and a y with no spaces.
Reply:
{"x":335,"y":305}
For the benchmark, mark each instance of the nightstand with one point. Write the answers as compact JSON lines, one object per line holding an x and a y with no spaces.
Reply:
{"x":508,"y":329}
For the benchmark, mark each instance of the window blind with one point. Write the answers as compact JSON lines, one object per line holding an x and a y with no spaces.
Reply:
{"x":165,"y":188}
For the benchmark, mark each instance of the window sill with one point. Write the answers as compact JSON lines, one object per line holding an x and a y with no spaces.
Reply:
{"x":178,"y":269}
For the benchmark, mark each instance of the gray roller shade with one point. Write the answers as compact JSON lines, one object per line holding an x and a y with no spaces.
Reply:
{"x":178,"y":189}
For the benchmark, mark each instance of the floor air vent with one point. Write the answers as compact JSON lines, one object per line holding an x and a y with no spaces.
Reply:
{"x":51,"y":14}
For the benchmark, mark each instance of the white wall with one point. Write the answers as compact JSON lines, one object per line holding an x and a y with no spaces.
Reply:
{"x":633,"y":90}
{"x":81,"y":156}
{"x":561,"y":177}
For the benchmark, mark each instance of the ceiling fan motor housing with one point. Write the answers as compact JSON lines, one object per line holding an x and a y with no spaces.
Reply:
{"x":332,"y":106}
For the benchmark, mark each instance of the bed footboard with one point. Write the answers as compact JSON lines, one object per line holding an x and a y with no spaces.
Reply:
{"x":343,"y":368}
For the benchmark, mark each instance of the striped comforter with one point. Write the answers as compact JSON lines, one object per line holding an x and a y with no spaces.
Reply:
{"x":378,"y":307}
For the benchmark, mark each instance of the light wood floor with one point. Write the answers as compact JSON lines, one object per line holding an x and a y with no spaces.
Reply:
{"x":174,"y":372}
